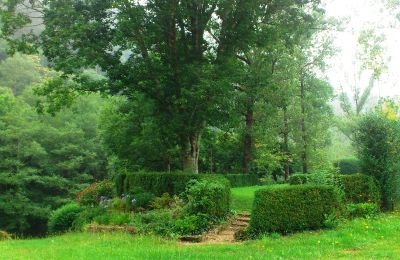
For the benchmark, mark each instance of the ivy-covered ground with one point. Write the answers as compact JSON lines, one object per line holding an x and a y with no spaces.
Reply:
{"x":359,"y":239}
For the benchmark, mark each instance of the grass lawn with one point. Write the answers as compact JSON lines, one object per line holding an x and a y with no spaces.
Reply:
{"x":242,"y":198}
{"x":360,"y":239}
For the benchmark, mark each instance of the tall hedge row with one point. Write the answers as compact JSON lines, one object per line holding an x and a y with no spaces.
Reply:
{"x":174,"y":183}
{"x":242,"y":180}
{"x":286,"y":209}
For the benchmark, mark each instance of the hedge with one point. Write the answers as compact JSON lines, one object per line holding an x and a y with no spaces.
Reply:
{"x":359,"y":188}
{"x":348,"y":166}
{"x":173,"y":183}
{"x":242,"y":180}
{"x":285,"y":209}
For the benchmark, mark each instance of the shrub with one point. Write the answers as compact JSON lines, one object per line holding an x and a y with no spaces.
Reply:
{"x":158,"y":222}
{"x":209,"y":196}
{"x":191,"y":225}
{"x":297,"y":179}
{"x":63,"y":218}
{"x":165,"y":201}
{"x":359,"y":188}
{"x":4,"y":236}
{"x":362,"y":210}
{"x":86,"y":217}
{"x":348,"y":166}
{"x":377,"y":140}
{"x":143,"y":200}
{"x":91,"y":196}
{"x":285,"y":209}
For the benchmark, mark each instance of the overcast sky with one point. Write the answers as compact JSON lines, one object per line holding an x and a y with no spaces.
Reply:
{"x":363,"y":14}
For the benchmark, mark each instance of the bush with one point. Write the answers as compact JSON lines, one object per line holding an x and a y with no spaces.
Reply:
{"x":91,"y":196}
{"x":285,"y":209}
{"x":158,"y":222}
{"x":4,"y":236}
{"x":209,"y":196}
{"x":165,"y":201}
{"x":192,"y":225}
{"x":348,"y":166}
{"x":298,"y":178}
{"x":377,"y":140}
{"x":63,"y":218}
{"x":362,"y":210}
{"x":143,"y":200}
{"x":359,"y":188}
{"x":86,"y":217}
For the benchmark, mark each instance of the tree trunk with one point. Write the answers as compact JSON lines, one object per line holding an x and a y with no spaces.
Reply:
{"x":304,"y":156}
{"x":190,"y":157}
{"x":248,"y":139}
{"x":286,"y":142}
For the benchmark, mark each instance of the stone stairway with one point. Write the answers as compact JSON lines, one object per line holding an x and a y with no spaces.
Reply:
{"x":226,"y":233}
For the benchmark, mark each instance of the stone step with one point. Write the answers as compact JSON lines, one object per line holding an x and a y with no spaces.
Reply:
{"x":244,"y":219}
{"x":244,"y":214}
{"x":240,"y":224}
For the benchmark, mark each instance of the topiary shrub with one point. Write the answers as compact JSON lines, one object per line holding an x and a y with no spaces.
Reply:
{"x":359,"y":188}
{"x":62,"y":219}
{"x":362,"y":210}
{"x":92,"y":195}
{"x":286,"y":209}
{"x":210,"y":197}
{"x":4,"y":236}
{"x":348,"y":166}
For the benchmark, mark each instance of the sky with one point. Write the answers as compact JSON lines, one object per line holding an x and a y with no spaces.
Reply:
{"x":364,"y":14}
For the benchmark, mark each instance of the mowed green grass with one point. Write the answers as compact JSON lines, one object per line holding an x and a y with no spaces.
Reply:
{"x":360,"y":239}
{"x":242,"y":198}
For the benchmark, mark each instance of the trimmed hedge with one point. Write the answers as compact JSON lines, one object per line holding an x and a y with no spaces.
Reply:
{"x":348,"y":166}
{"x":360,"y":188}
{"x":174,"y":183}
{"x":62,"y":219}
{"x":242,"y":180}
{"x":286,"y":209}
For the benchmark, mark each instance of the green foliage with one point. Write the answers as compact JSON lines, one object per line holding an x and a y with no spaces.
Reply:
{"x":143,"y":200}
{"x":192,"y":224}
{"x":348,"y":166}
{"x":210,"y":197}
{"x":91,"y":196}
{"x":159,"y":222}
{"x":362,"y":210}
{"x":360,"y":188}
{"x":62,"y":219}
{"x":113,"y":219}
{"x":4,"y":236}
{"x":165,"y":201}
{"x":298,"y":178}
{"x":377,"y":143}
{"x":293,"y":208}
{"x":173,"y":183}
{"x":87,"y":216}
{"x":242,"y":180}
